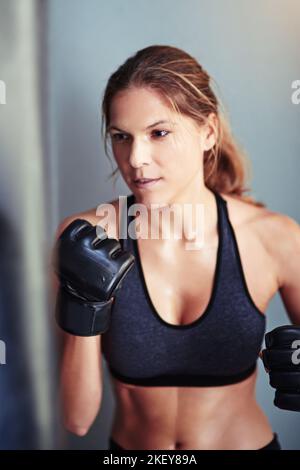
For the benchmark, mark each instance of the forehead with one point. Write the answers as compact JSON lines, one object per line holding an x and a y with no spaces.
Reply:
{"x":139,"y":102}
{"x":141,"y":107}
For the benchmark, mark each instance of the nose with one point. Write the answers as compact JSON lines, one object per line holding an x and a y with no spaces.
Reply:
{"x":139,"y":156}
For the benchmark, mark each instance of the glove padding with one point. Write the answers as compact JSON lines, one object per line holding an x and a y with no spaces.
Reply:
{"x":90,"y":267}
{"x":281,"y":358}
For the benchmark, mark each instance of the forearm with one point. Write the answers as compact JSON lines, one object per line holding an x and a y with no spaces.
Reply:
{"x":81,"y":381}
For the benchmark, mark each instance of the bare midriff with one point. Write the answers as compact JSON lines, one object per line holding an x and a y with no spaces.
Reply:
{"x":207,"y":418}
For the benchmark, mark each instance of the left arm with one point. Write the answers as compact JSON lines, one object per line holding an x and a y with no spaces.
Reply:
{"x":287,"y":255}
{"x":284,"y":373}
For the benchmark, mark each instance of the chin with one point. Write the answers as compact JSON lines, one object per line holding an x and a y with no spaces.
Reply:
{"x":148,"y":198}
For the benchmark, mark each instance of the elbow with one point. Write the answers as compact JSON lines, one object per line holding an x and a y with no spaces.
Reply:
{"x":75,"y":428}
{"x":79,"y":409}
{"x":80,"y":423}
{"x":79,"y":431}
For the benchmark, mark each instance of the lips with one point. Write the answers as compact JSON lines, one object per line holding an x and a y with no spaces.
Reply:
{"x":145,"y":182}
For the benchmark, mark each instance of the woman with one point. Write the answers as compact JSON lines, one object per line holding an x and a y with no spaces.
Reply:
{"x":187,"y":324}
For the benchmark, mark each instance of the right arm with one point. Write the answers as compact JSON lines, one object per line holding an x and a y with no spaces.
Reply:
{"x":92,"y":268}
{"x":81,"y":382}
{"x":81,"y":375}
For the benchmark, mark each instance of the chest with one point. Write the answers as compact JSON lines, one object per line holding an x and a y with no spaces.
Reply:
{"x":180,"y":283}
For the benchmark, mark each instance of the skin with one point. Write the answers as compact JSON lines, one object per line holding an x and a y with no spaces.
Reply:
{"x":224,"y":417}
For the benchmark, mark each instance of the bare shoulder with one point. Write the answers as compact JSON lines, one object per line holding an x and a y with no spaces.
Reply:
{"x":284,"y":236}
{"x":279,"y":233}
{"x":106,"y":215}
{"x":243,"y":213}
{"x":274,"y":225}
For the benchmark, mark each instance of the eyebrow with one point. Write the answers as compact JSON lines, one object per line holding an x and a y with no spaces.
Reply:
{"x":162,"y":121}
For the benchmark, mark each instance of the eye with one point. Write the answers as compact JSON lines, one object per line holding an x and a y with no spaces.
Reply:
{"x":117,"y":137}
{"x":166,"y":133}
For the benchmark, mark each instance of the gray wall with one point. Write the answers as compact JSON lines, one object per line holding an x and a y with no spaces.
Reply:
{"x":27,"y":385}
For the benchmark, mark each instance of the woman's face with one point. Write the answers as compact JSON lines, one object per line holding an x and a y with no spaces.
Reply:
{"x":143,"y":148}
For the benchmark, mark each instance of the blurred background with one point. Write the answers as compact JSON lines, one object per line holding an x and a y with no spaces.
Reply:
{"x":55,"y":59}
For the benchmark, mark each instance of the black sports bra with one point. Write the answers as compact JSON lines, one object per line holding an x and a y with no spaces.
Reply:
{"x":220,"y":347}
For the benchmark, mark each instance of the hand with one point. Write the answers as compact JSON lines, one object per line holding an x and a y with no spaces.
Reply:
{"x":91,"y":268}
{"x":281,"y":360}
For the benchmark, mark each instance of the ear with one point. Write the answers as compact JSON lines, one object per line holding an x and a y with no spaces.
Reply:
{"x":210,"y":132}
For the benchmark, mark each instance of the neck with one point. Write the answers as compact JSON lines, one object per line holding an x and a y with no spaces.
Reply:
{"x":188,"y":216}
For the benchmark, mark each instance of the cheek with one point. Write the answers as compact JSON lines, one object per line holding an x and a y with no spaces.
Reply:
{"x":117,"y":153}
{"x":184,"y":167}
{"x":120,"y":160}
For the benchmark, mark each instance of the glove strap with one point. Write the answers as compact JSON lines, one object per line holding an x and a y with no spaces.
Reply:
{"x":287,"y":400}
{"x":80,"y":317}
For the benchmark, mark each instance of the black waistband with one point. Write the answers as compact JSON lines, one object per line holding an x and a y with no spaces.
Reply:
{"x":274,"y":444}
{"x":185,"y":380}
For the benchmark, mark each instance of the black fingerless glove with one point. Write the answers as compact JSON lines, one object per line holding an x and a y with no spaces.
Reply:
{"x":282,"y":359}
{"x":90,"y":267}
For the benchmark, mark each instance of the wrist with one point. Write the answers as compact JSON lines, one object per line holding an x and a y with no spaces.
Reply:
{"x":81,"y":317}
